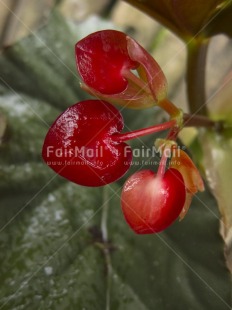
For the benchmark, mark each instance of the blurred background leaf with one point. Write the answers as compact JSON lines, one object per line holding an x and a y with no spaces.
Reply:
{"x":22,"y":17}
{"x":217,"y":152}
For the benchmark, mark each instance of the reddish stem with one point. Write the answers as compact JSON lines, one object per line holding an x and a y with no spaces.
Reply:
{"x":172,"y":135}
{"x":162,"y":164}
{"x":143,"y":132}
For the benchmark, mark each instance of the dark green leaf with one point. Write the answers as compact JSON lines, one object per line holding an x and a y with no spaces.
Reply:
{"x":44,"y":65}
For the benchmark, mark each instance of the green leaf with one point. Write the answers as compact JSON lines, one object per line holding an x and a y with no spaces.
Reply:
{"x":65,"y":246}
{"x":44,"y":64}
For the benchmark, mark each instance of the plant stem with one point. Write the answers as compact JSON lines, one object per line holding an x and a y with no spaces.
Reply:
{"x":188,"y":121}
{"x":196,"y":63}
{"x":200,"y":121}
{"x":173,"y":133}
{"x":203,"y":121}
{"x":143,"y":132}
{"x":169,"y":107}
{"x":162,"y":164}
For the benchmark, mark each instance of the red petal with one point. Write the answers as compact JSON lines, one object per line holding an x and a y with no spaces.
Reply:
{"x":100,"y":59}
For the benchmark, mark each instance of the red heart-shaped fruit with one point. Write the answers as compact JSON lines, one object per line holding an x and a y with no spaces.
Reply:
{"x":150,"y":202}
{"x":80,"y":146}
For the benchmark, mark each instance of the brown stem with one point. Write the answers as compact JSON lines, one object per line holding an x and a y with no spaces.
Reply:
{"x":201,"y":121}
{"x":196,"y":63}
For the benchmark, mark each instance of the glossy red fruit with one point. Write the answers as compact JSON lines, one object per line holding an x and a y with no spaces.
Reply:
{"x":151,"y":203}
{"x":80,"y":146}
{"x":101,"y":57}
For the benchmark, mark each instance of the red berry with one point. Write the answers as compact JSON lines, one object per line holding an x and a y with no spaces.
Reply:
{"x":101,"y":57}
{"x":80,"y":146}
{"x":151,"y":203}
